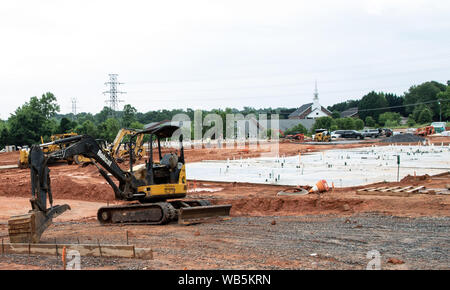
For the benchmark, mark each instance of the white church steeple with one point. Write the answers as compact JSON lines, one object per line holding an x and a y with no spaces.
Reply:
{"x":316,"y":93}
{"x":316,"y":104}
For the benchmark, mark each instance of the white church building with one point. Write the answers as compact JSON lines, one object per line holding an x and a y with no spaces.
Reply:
{"x":312,"y":110}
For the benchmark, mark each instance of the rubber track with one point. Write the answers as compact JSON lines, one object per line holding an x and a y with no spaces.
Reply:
{"x":168,"y":213}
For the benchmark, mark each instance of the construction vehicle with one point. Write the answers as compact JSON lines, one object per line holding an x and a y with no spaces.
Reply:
{"x":299,"y":136}
{"x":158,"y":188}
{"x":425,"y":131}
{"x":119,"y":149}
{"x":322,"y":135}
{"x":47,"y":148}
{"x":439,"y":127}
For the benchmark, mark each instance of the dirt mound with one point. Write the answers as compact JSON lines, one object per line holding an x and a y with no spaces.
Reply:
{"x":403,"y":138}
{"x":65,"y":187}
{"x":410,"y":178}
{"x":9,"y":158}
{"x":286,"y":206}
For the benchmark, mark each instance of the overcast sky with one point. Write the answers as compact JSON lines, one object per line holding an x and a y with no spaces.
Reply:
{"x":209,"y":54}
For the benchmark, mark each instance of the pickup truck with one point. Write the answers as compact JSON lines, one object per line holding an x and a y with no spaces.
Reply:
{"x":350,"y":134}
{"x":372,"y":133}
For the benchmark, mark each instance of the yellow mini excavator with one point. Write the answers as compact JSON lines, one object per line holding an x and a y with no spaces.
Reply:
{"x":119,"y":149}
{"x":158,"y":187}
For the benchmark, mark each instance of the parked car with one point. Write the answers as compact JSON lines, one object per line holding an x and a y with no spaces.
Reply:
{"x":372,"y":133}
{"x":388,"y":132}
{"x":350,"y":134}
{"x":334,"y":135}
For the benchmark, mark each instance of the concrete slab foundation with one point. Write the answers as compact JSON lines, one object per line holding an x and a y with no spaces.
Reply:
{"x":344,"y":167}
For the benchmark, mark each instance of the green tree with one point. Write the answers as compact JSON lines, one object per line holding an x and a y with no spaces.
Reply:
{"x":136,"y":125}
{"x":444,"y":100}
{"x":370,"y":122}
{"x":359,"y":124}
{"x":426,"y":116}
{"x":322,"y":123}
{"x":87,"y":128}
{"x":4,"y":134}
{"x":82,"y":117}
{"x":346,"y":123}
{"x":390,"y":124}
{"x":298,"y":129}
{"x":108,"y":129}
{"x":411,"y":122}
{"x":370,"y":102}
{"x":397,"y":102}
{"x":65,"y":125}
{"x":389,"y":116}
{"x":340,"y":107}
{"x":417,"y":110}
{"x":425,"y":92}
{"x":335,"y":115}
{"x":33,"y":120}
{"x":103,"y":115}
{"x":129,"y":115}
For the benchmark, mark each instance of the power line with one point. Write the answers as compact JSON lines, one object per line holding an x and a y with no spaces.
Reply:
{"x":401,"y":106}
{"x":291,"y":84}
{"x":113,"y":92}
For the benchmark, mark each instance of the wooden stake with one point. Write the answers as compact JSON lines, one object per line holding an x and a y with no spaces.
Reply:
{"x":64,"y":257}
{"x":99,"y":247}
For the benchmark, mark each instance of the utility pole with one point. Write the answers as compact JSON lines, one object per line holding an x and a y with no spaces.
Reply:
{"x":440,"y":111}
{"x":113,"y":93}
{"x":74,"y":108}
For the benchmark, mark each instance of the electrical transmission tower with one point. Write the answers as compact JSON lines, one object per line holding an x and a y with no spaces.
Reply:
{"x":74,"y":108}
{"x":113,"y":92}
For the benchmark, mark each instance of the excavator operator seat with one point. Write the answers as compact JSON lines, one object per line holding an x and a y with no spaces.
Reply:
{"x":170,"y":160}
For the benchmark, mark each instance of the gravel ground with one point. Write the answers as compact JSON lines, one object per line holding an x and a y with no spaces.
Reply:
{"x":311,"y":242}
{"x":407,"y":137}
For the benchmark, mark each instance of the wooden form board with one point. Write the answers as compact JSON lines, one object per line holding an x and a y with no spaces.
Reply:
{"x":391,"y":191}
{"x":87,"y":250}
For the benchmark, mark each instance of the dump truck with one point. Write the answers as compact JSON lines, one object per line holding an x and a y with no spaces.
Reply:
{"x":156,"y":189}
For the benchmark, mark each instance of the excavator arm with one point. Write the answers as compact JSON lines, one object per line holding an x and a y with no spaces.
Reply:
{"x":28,"y":228}
{"x":87,"y":146}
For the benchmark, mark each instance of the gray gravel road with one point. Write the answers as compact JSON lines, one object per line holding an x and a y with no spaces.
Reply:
{"x":312,"y":242}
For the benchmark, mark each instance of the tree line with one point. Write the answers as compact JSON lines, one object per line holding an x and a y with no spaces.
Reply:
{"x":421,"y":104}
{"x":39,"y":117}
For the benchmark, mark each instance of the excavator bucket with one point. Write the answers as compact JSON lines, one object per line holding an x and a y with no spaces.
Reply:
{"x":28,"y":228}
{"x":198,"y":214}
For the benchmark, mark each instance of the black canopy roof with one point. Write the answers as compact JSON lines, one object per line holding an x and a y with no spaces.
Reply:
{"x":161,"y":131}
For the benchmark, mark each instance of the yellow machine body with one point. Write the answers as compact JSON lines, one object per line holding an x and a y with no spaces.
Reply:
{"x":166,"y":190}
{"x":119,"y":153}
{"x":322,"y":136}
{"x":23,"y":156}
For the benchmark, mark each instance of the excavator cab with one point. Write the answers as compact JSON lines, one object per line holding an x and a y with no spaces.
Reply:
{"x":165,"y":175}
